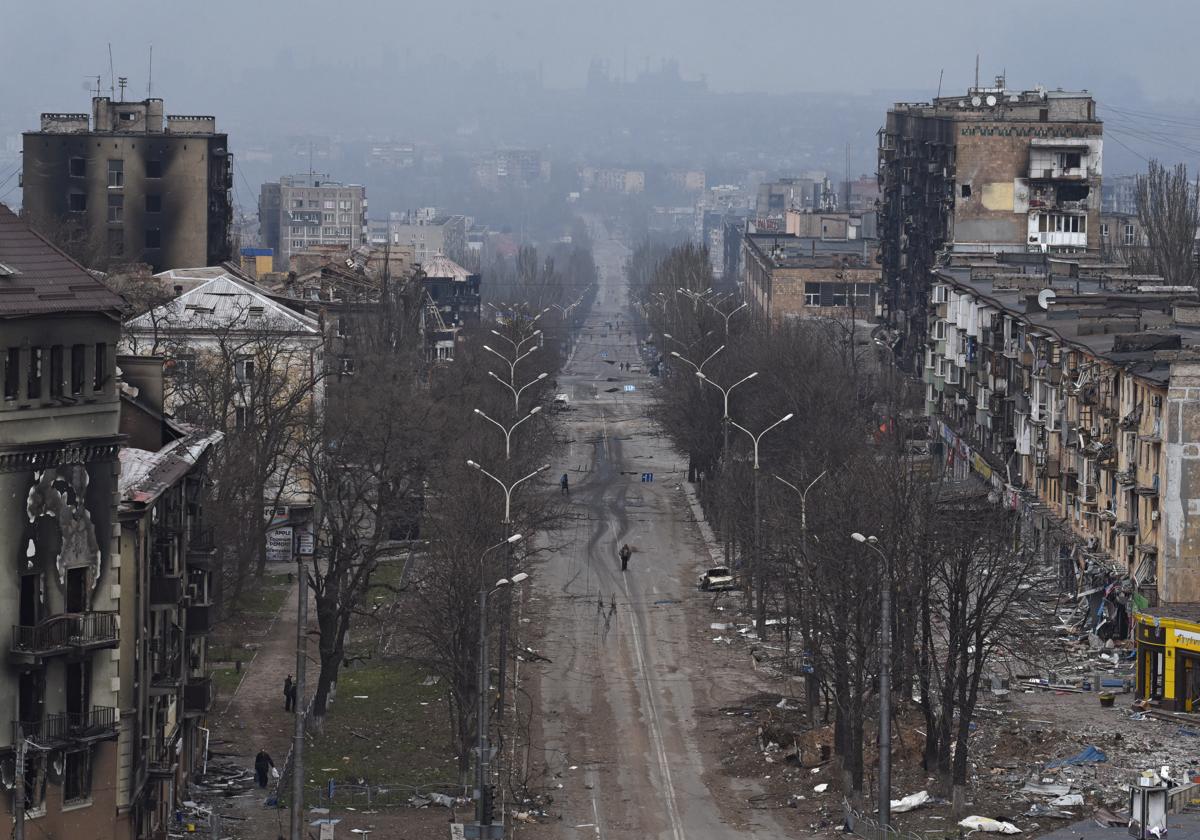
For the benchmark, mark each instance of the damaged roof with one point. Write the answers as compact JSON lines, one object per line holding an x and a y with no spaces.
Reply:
{"x":147,"y":475}
{"x":36,"y":278}
{"x":223,"y":302}
{"x":441,"y":267}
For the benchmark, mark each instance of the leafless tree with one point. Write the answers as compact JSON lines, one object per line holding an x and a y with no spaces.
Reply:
{"x":1169,"y":213}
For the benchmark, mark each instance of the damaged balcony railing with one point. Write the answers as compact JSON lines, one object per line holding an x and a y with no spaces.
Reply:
{"x":66,"y":633}
{"x":98,"y":724}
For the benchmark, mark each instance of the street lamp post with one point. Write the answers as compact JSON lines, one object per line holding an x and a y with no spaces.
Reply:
{"x":699,"y":368}
{"x":508,"y":430}
{"x":516,"y":392}
{"x":725,"y":392}
{"x":520,"y":357}
{"x":811,"y":675}
{"x":885,"y":684}
{"x":507,"y":523}
{"x":757,"y":574}
{"x":483,"y":826}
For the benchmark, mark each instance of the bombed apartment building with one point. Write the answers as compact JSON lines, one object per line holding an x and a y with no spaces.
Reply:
{"x":836,"y":275}
{"x":1073,"y":394}
{"x":61,"y":585}
{"x":994,"y":170}
{"x":130,"y":185}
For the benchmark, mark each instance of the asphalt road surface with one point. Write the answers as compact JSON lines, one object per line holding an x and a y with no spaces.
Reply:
{"x":628,"y":701}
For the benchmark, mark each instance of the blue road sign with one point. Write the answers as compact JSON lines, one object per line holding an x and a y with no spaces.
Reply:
{"x":647,"y":478}
{"x":629,"y":388}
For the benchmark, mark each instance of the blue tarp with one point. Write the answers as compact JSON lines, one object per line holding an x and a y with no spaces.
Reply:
{"x":1090,"y":755}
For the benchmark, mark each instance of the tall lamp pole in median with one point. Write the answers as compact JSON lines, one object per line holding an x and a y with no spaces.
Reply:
{"x":507,"y":523}
{"x":885,"y":684}
{"x":811,"y":675}
{"x":483,"y":827}
{"x":725,"y":392}
{"x":508,"y":430}
{"x":758,"y":576}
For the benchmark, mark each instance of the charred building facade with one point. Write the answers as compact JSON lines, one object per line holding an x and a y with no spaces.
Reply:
{"x":992,"y":171}
{"x":131,"y":185}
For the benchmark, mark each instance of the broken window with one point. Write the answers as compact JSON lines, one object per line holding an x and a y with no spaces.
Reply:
{"x":241,"y":418}
{"x":966,"y":191}
{"x":116,"y":209}
{"x":153,"y":238}
{"x":56,"y":371}
{"x":77,"y":776}
{"x":35,"y":784}
{"x":77,"y":167}
{"x":77,"y":202}
{"x":77,"y":367}
{"x":100,"y":371}
{"x":12,"y":373}
{"x":244,"y":369}
{"x":153,"y":203}
{"x":33,"y":385}
{"x":116,"y":174}
{"x":154,"y":169}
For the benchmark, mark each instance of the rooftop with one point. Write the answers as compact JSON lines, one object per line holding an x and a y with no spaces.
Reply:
{"x":788,"y":251}
{"x":223,"y":302}
{"x":1126,"y":319}
{"x":442,"y":267}
{"x":147,"y":475}
{"x":36,"y":278}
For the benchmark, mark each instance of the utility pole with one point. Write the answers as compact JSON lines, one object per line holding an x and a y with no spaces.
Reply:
{"x":19,"y":790}
{"x":298,"y":711}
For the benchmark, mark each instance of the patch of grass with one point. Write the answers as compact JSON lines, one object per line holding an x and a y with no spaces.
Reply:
{"x":226,"y":681}
{"x":388,"y":737}
{"x":262,"y":597}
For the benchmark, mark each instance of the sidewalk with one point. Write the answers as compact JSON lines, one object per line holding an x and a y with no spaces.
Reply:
{"x":254,"y":717}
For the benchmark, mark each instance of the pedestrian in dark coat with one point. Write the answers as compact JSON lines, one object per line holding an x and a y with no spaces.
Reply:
{"x":263,"y":765}
{"x":289,"y":694}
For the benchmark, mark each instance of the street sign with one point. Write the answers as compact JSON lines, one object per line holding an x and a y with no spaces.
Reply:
{"x":647,"y":477}
{"x":603,"y":354}
{"x":629,"y":388}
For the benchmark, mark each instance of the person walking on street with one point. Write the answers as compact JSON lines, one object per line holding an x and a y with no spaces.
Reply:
{"x":564,"y":483}
{"x":624,"y":554}
{"x":289,"y":696}
{"x":263,"y":765}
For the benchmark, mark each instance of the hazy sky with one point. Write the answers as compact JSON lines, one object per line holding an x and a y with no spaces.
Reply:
{"x":1112,"y":48}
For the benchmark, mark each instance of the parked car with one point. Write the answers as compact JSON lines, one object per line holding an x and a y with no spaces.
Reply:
{"x":635,"y":368}
{"x":561,"y":402}
{"x":717,"y":579}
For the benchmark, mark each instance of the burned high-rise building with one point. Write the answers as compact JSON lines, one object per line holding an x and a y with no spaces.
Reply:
{"x":995,"y":170}
{"x":130,"y":185}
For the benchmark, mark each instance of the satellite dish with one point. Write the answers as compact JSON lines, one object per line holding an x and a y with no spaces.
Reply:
{"x":1012,"y":97}
{"x":976,"y":101}
{"x":962,"y":103}
{"x":1045,"y":298}
{"x":991,"y":101}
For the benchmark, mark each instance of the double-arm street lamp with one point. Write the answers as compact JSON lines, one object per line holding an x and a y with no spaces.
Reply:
{"x":757,"y":571}
{"x":725,"y":392}
{"x":507,"y":488}
{"x":885,"y":683}
{"x":484,"y":827}
{"x":699,"y":368}
{"x":508,"y":430}
{"x":811,"y":675}
{"x":516,"y":392}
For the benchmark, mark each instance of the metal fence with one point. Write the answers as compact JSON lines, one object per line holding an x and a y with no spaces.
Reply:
{"x":867,"y":827}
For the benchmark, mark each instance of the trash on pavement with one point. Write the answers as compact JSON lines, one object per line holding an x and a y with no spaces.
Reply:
{"x":821,"y":788}
{"x":1039,"y":810}
{"x":989,"y":825}
{"x":910,"y":802}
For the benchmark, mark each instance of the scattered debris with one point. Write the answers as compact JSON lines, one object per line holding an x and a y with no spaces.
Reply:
{"x":1089,"y":755}
{"x":911,"y":802}
{"x":989,"y":825}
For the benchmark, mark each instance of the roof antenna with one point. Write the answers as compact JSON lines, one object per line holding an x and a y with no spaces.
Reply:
{"x":150,"y":75}
{"x":976,"y":71}
{"x":112,"y":79}
{"x":940,"y":72}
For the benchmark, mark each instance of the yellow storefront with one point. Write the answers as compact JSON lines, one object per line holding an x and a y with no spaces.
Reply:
{"x":1168,"y":662}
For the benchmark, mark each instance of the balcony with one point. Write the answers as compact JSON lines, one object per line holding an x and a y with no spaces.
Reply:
{"x":198,"y":696}
{"x":161,"y":761}
{"x":69,"y":633}
{"x":166,"y":590}
{"x":199,"y":619}
{"x":202,"y":552}
{"x":53,"y":731}
{"x":167,"y":677}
